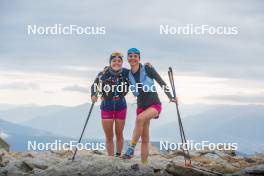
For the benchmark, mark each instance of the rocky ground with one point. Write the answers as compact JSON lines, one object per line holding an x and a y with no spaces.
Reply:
{"x":97,"y":163}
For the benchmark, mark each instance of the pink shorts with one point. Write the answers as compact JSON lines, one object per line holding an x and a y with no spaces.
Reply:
{"x":155,"y":106}
{"x":121,"y":114}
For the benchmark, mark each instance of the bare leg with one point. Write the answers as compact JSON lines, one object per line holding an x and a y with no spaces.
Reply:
{"x":142,"y":125}
{"x":142,"y":118}
{"x":145,"y":142}
{"x":108,"y":130}
{"x":119,"y":128}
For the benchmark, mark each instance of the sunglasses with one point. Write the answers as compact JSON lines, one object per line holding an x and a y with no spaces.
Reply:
{"x":133,"y":56}
{"x":117,"y":55}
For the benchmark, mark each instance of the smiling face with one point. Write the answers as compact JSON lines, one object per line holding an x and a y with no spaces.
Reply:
{"x":116,"y":63}
{"x":133,"y":59}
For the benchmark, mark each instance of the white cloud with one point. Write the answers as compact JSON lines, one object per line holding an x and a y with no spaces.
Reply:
{"x":76,"y":88}
{"x":209,"y":65}
{"x":3,"y":135}
{"x":19,"y":86}
{"x":240,"y":98}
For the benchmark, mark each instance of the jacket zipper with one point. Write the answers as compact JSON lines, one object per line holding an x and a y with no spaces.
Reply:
{"x":114,"y":99}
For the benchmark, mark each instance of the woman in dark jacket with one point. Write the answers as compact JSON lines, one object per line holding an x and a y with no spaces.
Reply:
{"x":149,"y":107}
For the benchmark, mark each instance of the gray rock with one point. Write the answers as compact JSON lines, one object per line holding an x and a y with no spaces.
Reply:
{"x":4,"y":145}
{"x":93,"y":163}
{"x":251,"y":171}
{"x":177,"y":170}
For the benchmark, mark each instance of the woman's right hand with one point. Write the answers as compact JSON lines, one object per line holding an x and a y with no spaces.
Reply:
{"x":94,"y":99}
{"x":175,"y":100}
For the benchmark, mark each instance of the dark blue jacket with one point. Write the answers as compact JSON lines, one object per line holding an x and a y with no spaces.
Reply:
{"x":114,"y":100}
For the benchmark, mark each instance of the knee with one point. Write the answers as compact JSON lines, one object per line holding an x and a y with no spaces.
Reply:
{"x":139,"y":120}
{"x":109,"y":137}
{"x":119,"y":135}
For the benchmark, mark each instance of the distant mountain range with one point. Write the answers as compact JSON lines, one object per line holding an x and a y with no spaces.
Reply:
{"x":17,"y":136}
{"x":19,"y":114}
{"x":240,"y":124}
{"x":215,"y":123}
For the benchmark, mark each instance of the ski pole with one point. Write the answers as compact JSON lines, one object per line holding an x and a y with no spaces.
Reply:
{"x":183,"y":136}
{"x":170,"y":73}
{"x":85,"y":124}
{"x":182,"y":133}
{"x":177,"y":106}
{"x":91,"y":108}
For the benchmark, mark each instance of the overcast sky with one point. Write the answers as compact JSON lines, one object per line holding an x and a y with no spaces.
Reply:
{"x":58,"y":69}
